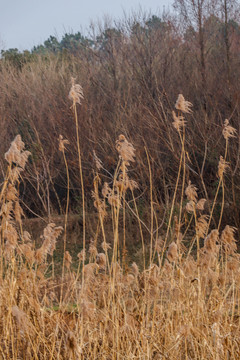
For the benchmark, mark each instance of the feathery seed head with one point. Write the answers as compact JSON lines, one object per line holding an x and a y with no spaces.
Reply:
{"x":202,"y":225}
{"x":211,"y":241}
{"x":50,"y":235}
{"x":125,"y":149}
{"x":135,"y":269}
{"x":92,"y":249}
{"x":178,"y":122}
{"x":15,"y":154}
{"x":18,"y":212}
{"x":76,"y":92}
{"x":172,"y":253}
{"x":223,"y":165}
{"x":183,"y":105}
{"x":68,"y":259}
{"x":15,"y":174}
{"x":159,"y":244}
{"x":98,"y":162}
{"x":228,"y":240}
{"x":19,"y":143}
{"x":62,"y":143}
{"x":124,"y":183}
{"x":190,"y":206}
{"x":105,"y":246}
{"x":99,"y":204}
{"x":81,"y":255}
{"x":101,"y":260}
{"x":23,"y":158}
{"x":228,"y":131}
{"x":106,"y":190}
{"x":191,"y":192}
{"x":11,"y":193}
{"x":200,"y":204}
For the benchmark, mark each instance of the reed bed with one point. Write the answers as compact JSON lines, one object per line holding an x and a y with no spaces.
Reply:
{"x":180,"y":302}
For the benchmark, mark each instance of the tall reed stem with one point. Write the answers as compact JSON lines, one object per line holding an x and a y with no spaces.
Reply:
{"x":81,"y":178}
{"x":216,"y":195}
{"x":65,"y":222}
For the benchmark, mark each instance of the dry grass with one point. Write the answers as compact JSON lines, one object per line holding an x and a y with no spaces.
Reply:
{"x":184,"y":304}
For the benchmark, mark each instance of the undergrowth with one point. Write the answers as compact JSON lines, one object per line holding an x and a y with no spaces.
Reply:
{"x":182,"y":304}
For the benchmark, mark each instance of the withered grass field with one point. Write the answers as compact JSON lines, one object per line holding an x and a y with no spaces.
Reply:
{"x":182,"y":304}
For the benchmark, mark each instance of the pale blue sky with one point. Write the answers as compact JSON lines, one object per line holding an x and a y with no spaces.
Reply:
{"x":25,"y":23}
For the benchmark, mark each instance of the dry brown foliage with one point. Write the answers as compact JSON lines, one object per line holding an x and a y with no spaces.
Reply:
{"x":180,"y":303}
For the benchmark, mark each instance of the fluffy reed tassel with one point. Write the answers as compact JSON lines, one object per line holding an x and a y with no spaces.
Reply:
{"x":97,"y":161}
{"x":62,"y":143}
{"x":76,"y":92}
{"x":135,"y":269}
{"x":50,"y":236}
{"x":201,"y":204}
{"x":183,"y":105}
{"x":211,"y":241}
{"x":67,"y":259}
{"x":101,"y":260}
{"x":228,"y":240}
{"x":202,"y":225}
{"x":105,"y":246}
{"x":228,"y":131}
{"x":92,"y":249}
{"x":191,"y":192}
{"x":190,"y":206}
{"x":178,"y":122}
{"x":15,"y":154}
{"x":223,"y":165}
{"x":125,"y":149}
{"x":172,"y":253}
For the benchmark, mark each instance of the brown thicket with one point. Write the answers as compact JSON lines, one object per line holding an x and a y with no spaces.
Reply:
{"x":131,"y":75}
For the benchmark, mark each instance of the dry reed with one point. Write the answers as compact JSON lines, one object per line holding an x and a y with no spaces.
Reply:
{"x":184,"y":304}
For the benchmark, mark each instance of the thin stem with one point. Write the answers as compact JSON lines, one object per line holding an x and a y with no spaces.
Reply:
{"x":151,"y":200}
{"x":215,"y":198}
{"x":223,"y":189}
{"x":183,"y":181}
{"x":65,"y":223}
{"x":174,"y":198}
{"x":81,"y":178}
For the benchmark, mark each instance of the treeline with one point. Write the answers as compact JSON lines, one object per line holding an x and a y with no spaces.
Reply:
{"x":131,"y":73}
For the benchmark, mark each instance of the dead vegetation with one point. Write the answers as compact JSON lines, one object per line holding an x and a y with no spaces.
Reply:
{"x":180,"y":302}
{"x":132,"y":72}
